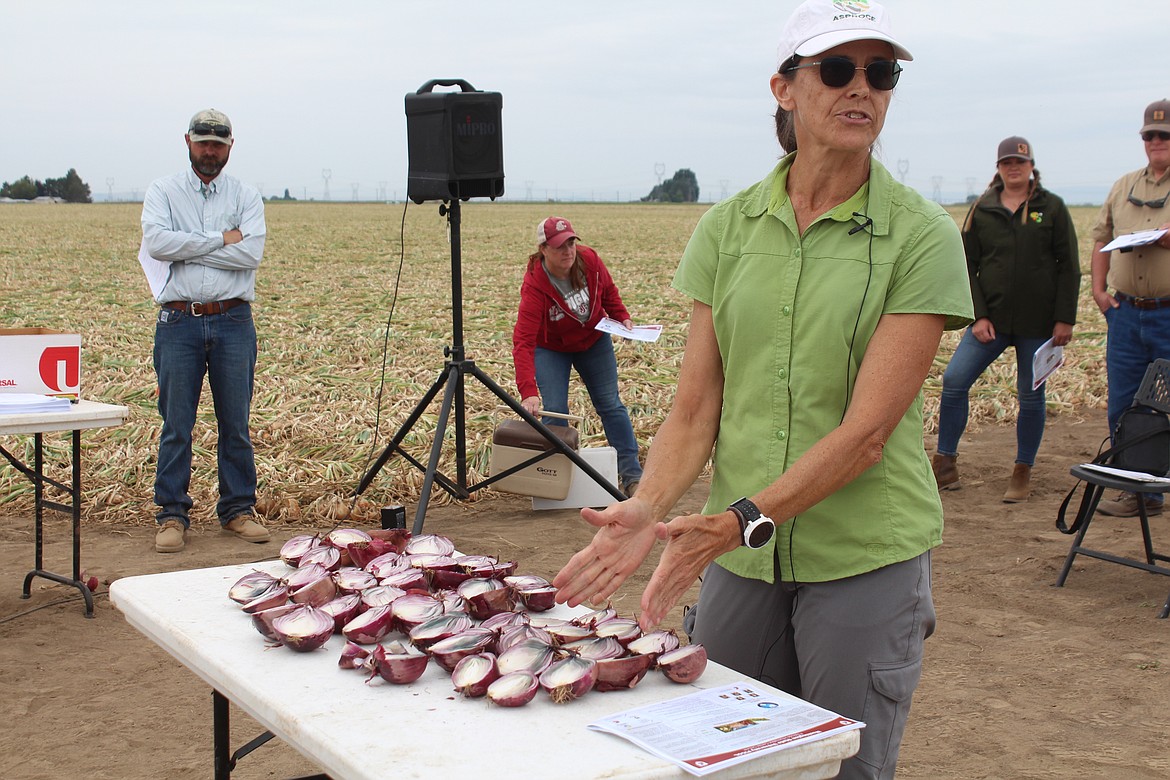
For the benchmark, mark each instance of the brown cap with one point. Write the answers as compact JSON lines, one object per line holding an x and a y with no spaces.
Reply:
{"x":1015,"y":146}
{"x":1157,"y":116}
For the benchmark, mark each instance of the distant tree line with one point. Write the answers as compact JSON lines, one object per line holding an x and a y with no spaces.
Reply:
{"x":69,"y":188}
{"x":683,"y":187}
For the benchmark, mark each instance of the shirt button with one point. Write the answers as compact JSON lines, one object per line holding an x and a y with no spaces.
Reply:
{"x":786,"y":310}
{"x":781,"y":435}
{"x":782,"y":373}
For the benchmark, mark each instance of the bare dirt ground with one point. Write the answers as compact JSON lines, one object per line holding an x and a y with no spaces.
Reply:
{"x":1023,"y":680}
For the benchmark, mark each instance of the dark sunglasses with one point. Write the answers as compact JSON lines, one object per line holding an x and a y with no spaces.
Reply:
{"x":837,"y":72}
{"x":1154,"y":204}
{"x":205,"y":129}
{"x":1150,"y":135}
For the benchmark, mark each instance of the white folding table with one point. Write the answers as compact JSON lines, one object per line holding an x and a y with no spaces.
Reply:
{"x":79,"y":416}
{"x":358,"y":731}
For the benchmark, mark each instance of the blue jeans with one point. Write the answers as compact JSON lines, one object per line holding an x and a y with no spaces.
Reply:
{"x":222,"y":347}
{"x":1137,"y":337}
{"x":597,"y":368}
{"x":970,"y":360}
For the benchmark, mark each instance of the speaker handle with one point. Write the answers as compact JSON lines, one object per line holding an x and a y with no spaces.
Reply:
{"x":430,"y":85}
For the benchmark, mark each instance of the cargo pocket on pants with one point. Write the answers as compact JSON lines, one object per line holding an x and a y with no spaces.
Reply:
{"x":887,"y":706}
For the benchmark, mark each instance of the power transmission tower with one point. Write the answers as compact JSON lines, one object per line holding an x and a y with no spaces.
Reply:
{"x":936,"y":182}
{"x":528,"y":189}
{"x":659,"y":169}
{"x":326,"y":174}
{"x":382,"y":190}
{"x":354,"y":187}
{"x":970,"y":188}
{"x":723,"y":189}
{"x":903,"y":169}
{"x":110,"y":185}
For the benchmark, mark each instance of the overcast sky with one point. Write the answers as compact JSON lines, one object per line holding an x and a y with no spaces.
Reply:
{"x":599,"y":97}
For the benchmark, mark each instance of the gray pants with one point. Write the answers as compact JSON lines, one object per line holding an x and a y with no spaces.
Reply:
{"x":853,"y":646}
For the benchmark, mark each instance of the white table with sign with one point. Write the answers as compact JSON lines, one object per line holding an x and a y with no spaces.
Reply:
{"x":358,"y":731}
{"x":79,"y":416}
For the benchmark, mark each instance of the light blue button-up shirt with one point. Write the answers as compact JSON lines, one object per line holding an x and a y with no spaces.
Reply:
{"x":183,"y":222}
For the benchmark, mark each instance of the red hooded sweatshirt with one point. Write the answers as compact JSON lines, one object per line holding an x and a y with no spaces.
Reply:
{"x":545,"y":321}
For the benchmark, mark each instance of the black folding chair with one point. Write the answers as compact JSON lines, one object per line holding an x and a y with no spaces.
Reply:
{"x":1141,"y":443}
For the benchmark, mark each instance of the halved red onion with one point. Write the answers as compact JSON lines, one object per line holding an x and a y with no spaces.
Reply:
{"x":596,"y":648}
{"x":292,"y":550}
{"x":569,"y":632}
{"x":505,"y":620}
{"x":448,"y":652}
{"x":569,"y":678}
{"x":430,"y":543}
{"x":654,"y":644}
{"x":276,"y":595}
{"x":318,"y":592}
{"x":526,"y":582}
{"x":451,"y":600}
{"x":406,"y":578}
{"x":474,"y":673}
{"x":342,"y":609}
{"x":399,"y":662}
{"x":486,"y":597}
{"x":354,"y":657}
{"x":514,"y":689}
{"x":624,"y":630}
{"x":443,"y":571}
{"x":303,"y":575}
{"x":381,"y":596}
{"x":385,"y":564}
{"x":362,"y":552}
{"x":591,"y":619}
{"x":341,"y":538}
{"x":370,"y":626}
{"x":303,"y":629}
{"x":354,"y":580}
{"x":439,"y":628}
{"x":262,"y":621}
{"x":329,"y":557}
{"x":539,"y":599}
{"x":395,"y":536}
{"x":486,"y":566}
{"x":684,"y":664}
{"x":411,"y":609}
{"x":616,"y":674}
{"x":514,"y":635}
{"x":531,"y":655}
{"x":251,"y":585}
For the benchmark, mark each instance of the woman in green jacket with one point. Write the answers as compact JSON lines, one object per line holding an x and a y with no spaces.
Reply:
{"x":1025,"y":277}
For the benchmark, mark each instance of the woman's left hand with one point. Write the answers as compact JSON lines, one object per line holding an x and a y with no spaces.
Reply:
{"x":628,"y":324}
{"x":692,"y":542}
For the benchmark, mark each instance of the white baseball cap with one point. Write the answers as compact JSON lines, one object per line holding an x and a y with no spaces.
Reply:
{"x":818,"y":25}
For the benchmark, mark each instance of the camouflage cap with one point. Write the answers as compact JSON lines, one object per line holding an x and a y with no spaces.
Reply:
{"x":210,"y":125}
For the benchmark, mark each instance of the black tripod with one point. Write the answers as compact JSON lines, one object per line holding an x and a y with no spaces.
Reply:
{"x":454,"y":369}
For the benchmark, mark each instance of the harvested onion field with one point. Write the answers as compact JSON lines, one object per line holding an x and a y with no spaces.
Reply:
{"x":353,"y":315}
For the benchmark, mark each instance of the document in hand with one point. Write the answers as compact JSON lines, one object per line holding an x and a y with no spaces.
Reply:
{"x":637,"y":333}
{"x":717,"y":728}
{"x":1047,"y":359}
{"x":1127,"y":242}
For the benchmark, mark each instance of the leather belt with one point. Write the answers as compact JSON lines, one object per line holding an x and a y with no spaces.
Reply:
{"x":1143,"y":303}
{"x":198,"y":308}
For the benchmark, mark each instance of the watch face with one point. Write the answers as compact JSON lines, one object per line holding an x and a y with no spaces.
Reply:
{"x":758,"y":533}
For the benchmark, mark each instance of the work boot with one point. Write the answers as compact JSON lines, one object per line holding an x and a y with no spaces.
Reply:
{"x":1018,"y":489}
{"x":246,"y":527}
{"x":946,"y":471}
{"x":1126,"y":505}
{"x":171,"y":537}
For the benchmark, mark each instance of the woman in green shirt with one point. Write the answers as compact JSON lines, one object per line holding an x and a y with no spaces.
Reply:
{"x":820,"y":295}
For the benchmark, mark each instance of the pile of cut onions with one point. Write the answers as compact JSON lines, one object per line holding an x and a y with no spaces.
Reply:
{"x":402,"y":601}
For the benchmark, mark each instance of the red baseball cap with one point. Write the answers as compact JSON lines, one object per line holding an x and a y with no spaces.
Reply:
{"x":554,"y":231}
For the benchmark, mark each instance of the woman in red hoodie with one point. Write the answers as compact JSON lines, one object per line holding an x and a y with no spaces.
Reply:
{"x":566,"y":292}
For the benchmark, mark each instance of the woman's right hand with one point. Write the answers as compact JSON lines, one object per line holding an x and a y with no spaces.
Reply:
{"x":983,"y":330}
{"x":531,"y":404}
{"x":625,"y":536}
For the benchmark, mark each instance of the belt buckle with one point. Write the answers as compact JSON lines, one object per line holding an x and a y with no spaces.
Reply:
{"x":196,"y":308}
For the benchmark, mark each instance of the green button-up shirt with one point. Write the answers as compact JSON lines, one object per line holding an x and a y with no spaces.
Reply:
{"x":793,"y":315}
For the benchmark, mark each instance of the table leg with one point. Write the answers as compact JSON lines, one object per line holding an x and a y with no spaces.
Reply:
{"x":73,"y":508}
{"x":225,"y":760}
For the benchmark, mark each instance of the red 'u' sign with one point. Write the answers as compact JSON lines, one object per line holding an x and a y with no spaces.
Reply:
{"x":53,"y":360}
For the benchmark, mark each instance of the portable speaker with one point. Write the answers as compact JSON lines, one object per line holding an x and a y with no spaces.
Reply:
{"x":455,"y":148}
